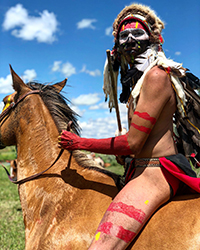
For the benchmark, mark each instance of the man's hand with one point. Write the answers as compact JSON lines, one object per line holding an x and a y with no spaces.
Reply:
{"x":68,"y":140}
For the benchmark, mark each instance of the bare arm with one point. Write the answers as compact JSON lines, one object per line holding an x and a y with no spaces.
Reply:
{"x":155,"y":94}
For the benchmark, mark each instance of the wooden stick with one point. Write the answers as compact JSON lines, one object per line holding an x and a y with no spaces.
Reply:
{"x":114,"y":91}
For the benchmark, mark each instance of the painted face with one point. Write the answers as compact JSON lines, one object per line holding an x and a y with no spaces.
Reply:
{"x":134,"y":34}
{"x":133,"y":40}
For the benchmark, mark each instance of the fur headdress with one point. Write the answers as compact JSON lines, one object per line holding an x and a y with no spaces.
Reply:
{"x":148,"y":17}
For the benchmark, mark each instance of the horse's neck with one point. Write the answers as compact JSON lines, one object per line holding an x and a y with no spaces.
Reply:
{"x":36,"y":140}
{"x":37,"y":148}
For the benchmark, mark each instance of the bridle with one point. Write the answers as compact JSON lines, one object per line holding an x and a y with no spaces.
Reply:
{"x":14,"y":104}
{"x":4,"y":114}
{"x":32,"y":177}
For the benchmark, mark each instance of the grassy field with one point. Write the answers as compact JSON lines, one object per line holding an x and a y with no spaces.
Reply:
{"x":11,"y":221}
{"x":8,"y":153}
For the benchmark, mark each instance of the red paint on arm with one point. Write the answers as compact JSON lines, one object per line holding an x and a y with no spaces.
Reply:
{"x":145,"y":116}
{"x":141,"y":128}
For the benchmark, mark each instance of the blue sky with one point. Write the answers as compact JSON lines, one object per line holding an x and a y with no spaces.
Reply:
{"x":48,"y":41}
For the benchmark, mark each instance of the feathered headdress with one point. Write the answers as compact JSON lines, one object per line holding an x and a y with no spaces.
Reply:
{"x":152,"y":24}
{"x":143,"y":14}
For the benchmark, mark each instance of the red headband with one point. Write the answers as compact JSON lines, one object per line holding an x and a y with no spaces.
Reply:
{"x":138,"y":22}
{"x":132,"y":25}
{"x":143,"y":23}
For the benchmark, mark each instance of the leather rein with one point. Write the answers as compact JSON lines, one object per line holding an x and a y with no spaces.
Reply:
{"x":5,"y":113}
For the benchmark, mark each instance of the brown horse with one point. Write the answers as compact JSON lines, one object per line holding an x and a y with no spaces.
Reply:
{"x":63,"y":207}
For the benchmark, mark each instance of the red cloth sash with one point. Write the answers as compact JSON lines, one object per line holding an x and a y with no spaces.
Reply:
{"x":192,"y":182}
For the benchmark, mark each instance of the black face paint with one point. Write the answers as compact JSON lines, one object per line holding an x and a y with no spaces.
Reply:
{"x":132,"y":48}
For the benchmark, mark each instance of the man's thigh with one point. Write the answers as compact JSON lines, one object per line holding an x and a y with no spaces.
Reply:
{"x":131,"y":208}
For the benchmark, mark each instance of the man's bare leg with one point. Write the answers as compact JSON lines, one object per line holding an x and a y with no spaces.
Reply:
{"x":131,"y":208}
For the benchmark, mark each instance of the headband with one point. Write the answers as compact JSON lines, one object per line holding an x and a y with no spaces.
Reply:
{"x":132,"y":25}
{"x":138,"y":18}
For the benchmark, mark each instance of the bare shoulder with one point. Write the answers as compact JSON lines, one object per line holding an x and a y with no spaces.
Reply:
{"x":157,"y":80}
{"x":157,"y":75}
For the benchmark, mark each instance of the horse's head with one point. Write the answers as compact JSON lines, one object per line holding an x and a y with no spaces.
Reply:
{"x":14,"y":110}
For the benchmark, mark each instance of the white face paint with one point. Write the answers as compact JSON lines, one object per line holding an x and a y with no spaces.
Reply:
{"x":134,"y":34}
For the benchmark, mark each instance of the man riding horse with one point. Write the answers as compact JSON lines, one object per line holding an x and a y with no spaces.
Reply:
{"x":153,"y":91}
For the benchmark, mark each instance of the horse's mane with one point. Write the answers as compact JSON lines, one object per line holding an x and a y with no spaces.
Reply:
{"x":57,"y":106}
{"x":62,"y":114}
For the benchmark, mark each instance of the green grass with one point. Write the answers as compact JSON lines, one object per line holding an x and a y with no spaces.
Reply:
{"x":114,"y":166}
{"x":8,"y":153}
{"x":11,"y":221}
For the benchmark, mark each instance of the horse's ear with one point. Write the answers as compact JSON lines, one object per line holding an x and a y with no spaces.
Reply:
{"x":60,"y":85}
{"x":18,"y":84}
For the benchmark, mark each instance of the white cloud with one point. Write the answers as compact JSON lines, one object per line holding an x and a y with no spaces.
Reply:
{"x":56,"y":66}
{"x":100,"y":128}
{"x":6,"y":85}
{"x":1,"y":106}
{"x":177,"y":53}
{"x":102,"y":105}
{"x":104,"y":126}
{"x":83,"y":69}
{"x":89,"y":99}
{"x":108,"y":31}
{"x":29,"y":75}
{"x":67,"y":69}
{"x":122,"y":108}
{"x":86,"y":23}
{"x":15,"y":16}
{"x":41,"y":28}
{"x":94,"y":73}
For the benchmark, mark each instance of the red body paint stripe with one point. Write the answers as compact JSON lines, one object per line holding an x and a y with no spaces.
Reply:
{"x":141,"y":128}
{"x":105,"y":227}
{"x":117,"y":231}
{"x":130,"y":211}
{"x":146,"y":116}
{"x":125,"y":234}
